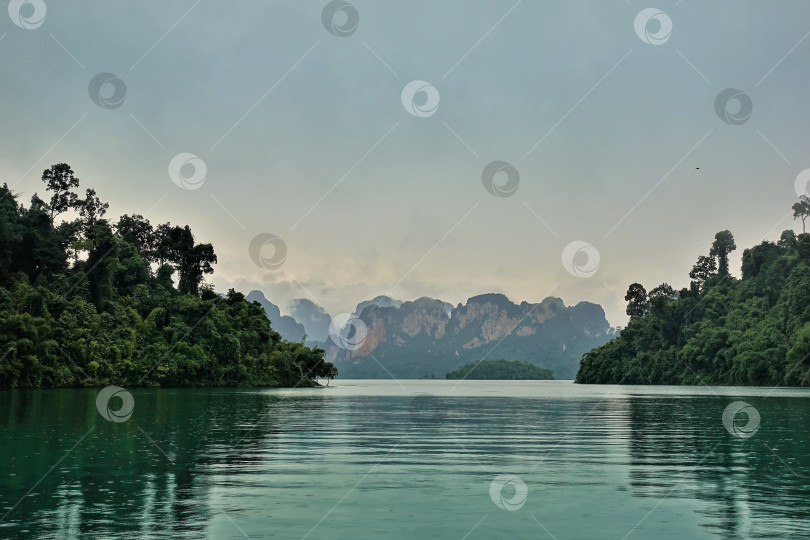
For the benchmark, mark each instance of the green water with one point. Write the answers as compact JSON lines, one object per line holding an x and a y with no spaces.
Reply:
{"x":380,"y":459}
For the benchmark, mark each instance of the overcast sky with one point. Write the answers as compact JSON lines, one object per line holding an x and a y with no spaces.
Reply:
{"x":306,"y":135}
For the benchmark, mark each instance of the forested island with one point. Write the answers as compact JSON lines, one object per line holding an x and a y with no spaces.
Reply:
{"x":720,"y":330}
{"x":501,"y":370}
{"x":90,"y":302}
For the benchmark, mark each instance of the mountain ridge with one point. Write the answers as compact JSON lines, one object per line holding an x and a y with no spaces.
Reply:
{"x":287,"y":326}
{"x":428,"y":337}
{"x":418,"y":339}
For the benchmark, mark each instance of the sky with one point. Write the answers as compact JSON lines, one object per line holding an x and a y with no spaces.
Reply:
{"x":339,"y":151}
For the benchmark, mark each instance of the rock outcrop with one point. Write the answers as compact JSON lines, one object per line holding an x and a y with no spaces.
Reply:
{"x":419,"y":339}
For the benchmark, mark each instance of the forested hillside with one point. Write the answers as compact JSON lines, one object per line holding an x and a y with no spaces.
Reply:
{"x":721,"y":330}
{"x":86,"y":301}
{"x":500,"y":370}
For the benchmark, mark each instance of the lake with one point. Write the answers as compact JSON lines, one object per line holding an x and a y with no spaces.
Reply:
{"x":409,"y":459}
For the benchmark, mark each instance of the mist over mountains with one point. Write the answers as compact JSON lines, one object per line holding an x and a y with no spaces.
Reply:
{"x":428,"y":337}
{"x":314,"y":318}
{"x":285,"y":325}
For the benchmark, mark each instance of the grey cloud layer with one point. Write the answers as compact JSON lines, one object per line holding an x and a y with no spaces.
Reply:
{"x":281,"y":112}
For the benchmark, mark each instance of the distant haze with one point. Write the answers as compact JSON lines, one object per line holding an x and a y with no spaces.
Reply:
{"x":304,"y":135}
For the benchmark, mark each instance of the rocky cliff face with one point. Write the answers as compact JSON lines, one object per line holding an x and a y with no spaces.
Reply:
{"x":491,"y":317}
{"x":288,"y":327}
{"x":382,"y":301}
{"x":314,"y":318}
{"x":419,"y":339}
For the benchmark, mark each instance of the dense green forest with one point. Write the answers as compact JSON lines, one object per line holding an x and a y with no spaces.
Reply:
{"x":720,"y":330}
{"x":89,"y":302}
{"x":501,"y":370}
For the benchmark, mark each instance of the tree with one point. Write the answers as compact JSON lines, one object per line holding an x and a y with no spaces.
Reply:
{"x":331,"y":373}
{"x":787,"y":239}
{"x":801,"y":210}
{"x":91,"y":208}
{"x":194,"y":263}
{"x":176,"y":245}
{"x":163,"y":276}
{"x":173,"y":242}
{"x":663,"y":291}
{"x":234,"y":296}
{"x":11,"y":233}
{"x":137,"y":230}
{"x":704,"y":268}
{"x":70,"y":238}
{"x":60,"y":180}
{"x":722,"y":246}
{"x":757,"y":257}
{"x":636,"y":300}
{"x":163,"y":242}
{"x":803,"y":246}
{"x":101,"y":264}
{"x":40,"y":250}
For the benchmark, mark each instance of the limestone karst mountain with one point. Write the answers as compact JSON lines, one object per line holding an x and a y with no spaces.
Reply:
{"x":285,"y":325}
{"x":419,"y":339}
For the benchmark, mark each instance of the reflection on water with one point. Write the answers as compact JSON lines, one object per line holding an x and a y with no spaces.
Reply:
{"x":745,"y":488}
{"x":376,"y":459}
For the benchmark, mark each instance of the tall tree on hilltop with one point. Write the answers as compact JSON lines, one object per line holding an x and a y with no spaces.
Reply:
{"x":162,"y":243}
{"x":176,"y":245}
{"x":91,"y":208}
{"x":722,"y":246}
{"x":137,"y":230}
{"x":787,"y":239}
{"x":801,"y":210}
{"x":664,"y":290}
{"x":60,"y":180}
{"x":194,"y":264}
{"x":636,"y":300}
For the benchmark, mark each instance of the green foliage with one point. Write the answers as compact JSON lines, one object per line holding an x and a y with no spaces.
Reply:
{"x":111,"y":318}
{"x":91,"y":208}
{"x":704,"y":269}
{"x":722,"y":246}
{"x":722,"y":331}
{"x":59,"y":180}
{"x":801,"y":210}
{"x":636,"y":300}
{"x":137,"y":231}
{"x":501,"y":370}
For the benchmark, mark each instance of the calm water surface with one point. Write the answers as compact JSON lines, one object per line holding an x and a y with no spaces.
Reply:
{"x":416,"y":459}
